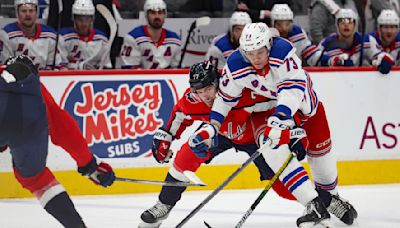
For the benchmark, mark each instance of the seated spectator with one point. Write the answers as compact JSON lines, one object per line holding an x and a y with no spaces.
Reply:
{"x":223,"y":45}
{"x":282,"y":20}
{"x":358,"y":49}
{"x":387,"y":35}
{"x":151,"y":46}
{"x":322,"y":15}
{"x":83,"y":46}
{"x":27,"y":37}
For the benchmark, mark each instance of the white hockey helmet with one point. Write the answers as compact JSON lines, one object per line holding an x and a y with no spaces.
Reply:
{"x":281,"y":12}
{"x":22,"y":2}
{"x":155,"y":5}
{"x":83,"y":7}
{"x":255,"y":36}
{"x":388,"y":17}
{"x":239,"y":18}
{"x":345,"y":14}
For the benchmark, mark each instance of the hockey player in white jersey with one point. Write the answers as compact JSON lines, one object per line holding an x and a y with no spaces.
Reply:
{"x":270,"y":67}
{"x":223,"y":45}
{"x":27,"y":37}
{"x":151,"y":46}
{"x":360,"y":50}
{"x":83,"y":46}
{"x":282,"y":20}
{"x":387,"y":35}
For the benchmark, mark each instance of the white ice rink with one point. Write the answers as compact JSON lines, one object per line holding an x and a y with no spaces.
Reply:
{"x":377,"y":205}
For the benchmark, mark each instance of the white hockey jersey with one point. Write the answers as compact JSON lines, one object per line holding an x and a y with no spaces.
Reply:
{"x":221,"y":47}
{"x":284,"y":80}
{"x":305,"y":50}
{"x":40,"y":48}
{"x":364,"y":47}
{"x":85,"y":52}
{"x":140,"y":51}
{"x":393,"y":49}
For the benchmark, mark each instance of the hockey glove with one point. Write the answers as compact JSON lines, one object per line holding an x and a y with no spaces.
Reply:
{"x":161,"y":143}
{"x":101,"y":174}
{"x":298,"y":143}
{"x":277,"y":132}
{"x":340,"y":60}
{"x":203,"y":139}
{"x":385,"y":66}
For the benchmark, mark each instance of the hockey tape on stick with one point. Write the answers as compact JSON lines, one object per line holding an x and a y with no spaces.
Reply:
{"x":112,"y":24}
{"x":266,"y":189}
{"x":163,"y":183}
{"x":219,"y":188}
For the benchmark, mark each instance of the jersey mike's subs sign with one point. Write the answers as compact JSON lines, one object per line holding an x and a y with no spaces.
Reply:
{"x":119,"y":111}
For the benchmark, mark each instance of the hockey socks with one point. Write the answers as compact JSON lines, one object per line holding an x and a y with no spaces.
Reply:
{"x":62,"y":208}
{"x":294,"y":177}
{"x":170,"y":195}
{"x":324,"y":171}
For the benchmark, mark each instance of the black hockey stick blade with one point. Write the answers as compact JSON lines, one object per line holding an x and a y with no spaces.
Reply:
{"x":207,"y":225}
{"x":163,"y":183}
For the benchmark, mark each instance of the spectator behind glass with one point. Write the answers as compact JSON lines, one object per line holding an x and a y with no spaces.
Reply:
{"x":260,"y":10}
{"x":27,"y":37}
{"x":83,"y":46}
{"x":387,"y":35}
{"x":224,"y":44}
{"x":322,"y":15}
{"x":282,"y":20}
{"x":359,"y":49}
{"x":151,"y":46}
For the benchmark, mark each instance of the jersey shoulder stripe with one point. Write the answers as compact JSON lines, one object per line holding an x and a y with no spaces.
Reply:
{"x":171,"y":34}
{"x":224,"y":44}
{"x":296,"y":34}
{"x":280,"y":49}
{"x":237,"y":62}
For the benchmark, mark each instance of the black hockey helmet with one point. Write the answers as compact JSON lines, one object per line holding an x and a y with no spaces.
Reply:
{"x":203,"y":74}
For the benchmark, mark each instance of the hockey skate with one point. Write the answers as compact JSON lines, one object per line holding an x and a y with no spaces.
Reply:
{"x":342,"y":209}
{"x":153,"y":217}
{"x":315,"y":215}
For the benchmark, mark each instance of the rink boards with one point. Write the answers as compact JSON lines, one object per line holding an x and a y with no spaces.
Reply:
{"x":118,"y":112}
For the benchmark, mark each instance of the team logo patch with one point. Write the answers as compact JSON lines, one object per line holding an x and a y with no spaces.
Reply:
{"x":119,"y":118}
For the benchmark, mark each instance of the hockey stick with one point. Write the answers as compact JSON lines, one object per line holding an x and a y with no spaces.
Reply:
{"x":163,"y":183}
{"x":60,"y":9}
{"x":112,"y":24}
{"x":201,"y":21}
{"x":266,"y":189}
{"x":219,"y":188}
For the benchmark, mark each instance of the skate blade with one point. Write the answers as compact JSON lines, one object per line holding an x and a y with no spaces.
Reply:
{"x":149,"y":225}
{"x":322,"y":224}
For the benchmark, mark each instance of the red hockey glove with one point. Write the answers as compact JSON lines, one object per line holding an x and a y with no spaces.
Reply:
{"x":101,"y":174}
{"x":161,"y":143}
{"x":279,"y":132}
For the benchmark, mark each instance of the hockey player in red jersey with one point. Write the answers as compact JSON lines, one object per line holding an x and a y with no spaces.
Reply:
{"x":28,"y":115}
{"x":269,"y":66}
{"x":237,"y":132}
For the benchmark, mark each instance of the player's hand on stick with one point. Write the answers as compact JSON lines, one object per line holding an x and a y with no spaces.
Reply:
{"x":161,"y":143}
{"x":101,"y":174}
{"x":203,"y":139}
{"x":280,"y":131}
